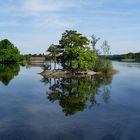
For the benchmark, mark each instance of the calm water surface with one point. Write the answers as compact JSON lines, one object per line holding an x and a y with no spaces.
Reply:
{"x":94,"y":108}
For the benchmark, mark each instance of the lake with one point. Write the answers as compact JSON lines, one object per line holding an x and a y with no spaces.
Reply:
{"x":94,"y":108}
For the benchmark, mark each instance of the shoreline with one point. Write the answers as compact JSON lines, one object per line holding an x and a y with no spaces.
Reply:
{"x":64,"y":74}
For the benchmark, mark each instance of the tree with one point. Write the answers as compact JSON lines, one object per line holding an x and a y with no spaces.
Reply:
{"x":53,"y":52}
{"x":105,"y":48}
{"x":76,"y":54}
{"x":103,"y":64}
{"x":71,"y":38}
{"x":78,"y":59}
{"x":94,"y":41}
{"x":8,"y":52}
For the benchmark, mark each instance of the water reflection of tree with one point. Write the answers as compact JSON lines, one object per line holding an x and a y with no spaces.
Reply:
{"x":8,"y":72}
{"x":77,"y":94}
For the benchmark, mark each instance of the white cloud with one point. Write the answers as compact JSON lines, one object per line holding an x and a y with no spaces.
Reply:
{"x":50,"y":5}
{"x":41,"y":13}
{"x":108,"y":19}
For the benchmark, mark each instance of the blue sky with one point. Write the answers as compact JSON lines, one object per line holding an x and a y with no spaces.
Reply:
{"x":32,"y":25}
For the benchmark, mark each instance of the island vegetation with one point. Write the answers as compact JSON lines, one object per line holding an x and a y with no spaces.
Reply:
{"x":78,"y":55}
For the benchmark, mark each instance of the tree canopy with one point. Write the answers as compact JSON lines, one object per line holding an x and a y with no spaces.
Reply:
{"x":74,"y":52}
{"x":77,"y":59}
{"x":71,"y":38}
{"x":8,"y":52}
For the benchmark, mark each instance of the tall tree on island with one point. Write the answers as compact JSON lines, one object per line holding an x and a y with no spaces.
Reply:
{"x":94,"y":41}
{"x":105,"y":48}
{"x":53,"y":52}
{"x":76,"y":54}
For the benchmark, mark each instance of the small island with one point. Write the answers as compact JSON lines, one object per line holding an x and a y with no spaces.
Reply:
{"x":77,"y":56}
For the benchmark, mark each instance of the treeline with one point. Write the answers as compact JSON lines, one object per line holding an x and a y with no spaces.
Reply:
{"x":35,"y":55}
{"x":126,"y":57}
{"x":9,"y":53}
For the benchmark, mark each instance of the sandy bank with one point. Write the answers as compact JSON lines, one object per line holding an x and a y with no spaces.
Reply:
{"x":63,"y":73}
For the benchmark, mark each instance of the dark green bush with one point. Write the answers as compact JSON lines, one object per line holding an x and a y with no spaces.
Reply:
{"x":8,"y":52}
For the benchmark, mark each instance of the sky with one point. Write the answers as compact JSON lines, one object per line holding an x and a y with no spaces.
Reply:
{"x":32,"y":25}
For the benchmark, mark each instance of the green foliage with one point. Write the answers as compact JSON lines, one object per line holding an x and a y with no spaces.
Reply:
{"x":25,"y":59}
{"x":75,"y":55}
{"x":71,"y":38}
{"x":78,"y":59}
{"x":8,"y":52}
{"x":129,"y":56}
{"x":103,"y":65}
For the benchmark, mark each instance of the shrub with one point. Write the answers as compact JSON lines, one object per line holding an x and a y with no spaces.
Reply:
{"x":103,"y":65}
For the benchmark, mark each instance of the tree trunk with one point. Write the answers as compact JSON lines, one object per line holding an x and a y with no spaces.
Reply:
{"x":55,"y":65}
{"x":50,"y":65}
